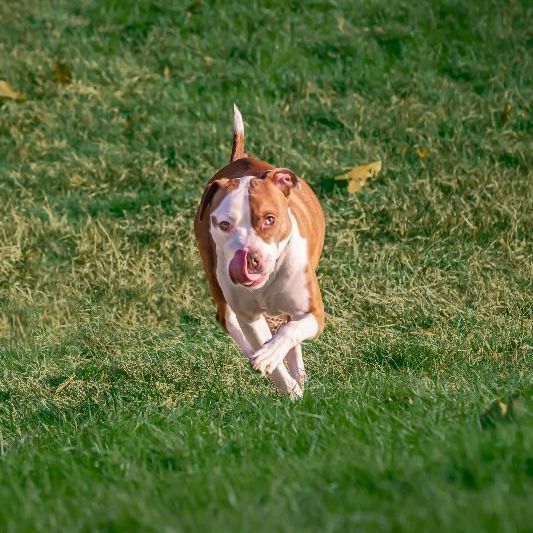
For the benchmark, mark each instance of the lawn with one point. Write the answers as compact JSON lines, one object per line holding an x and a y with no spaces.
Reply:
{"x":125,"y":407}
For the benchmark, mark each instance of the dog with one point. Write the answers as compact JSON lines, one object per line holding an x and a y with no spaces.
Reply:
{"x":260,"y":231}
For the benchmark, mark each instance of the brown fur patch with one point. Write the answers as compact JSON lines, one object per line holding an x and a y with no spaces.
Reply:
{"x":266,"y":199}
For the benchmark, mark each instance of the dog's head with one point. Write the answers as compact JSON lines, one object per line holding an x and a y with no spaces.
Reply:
{"x":250,"y":223}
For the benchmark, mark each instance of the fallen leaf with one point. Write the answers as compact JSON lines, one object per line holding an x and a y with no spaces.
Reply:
{"x":361,"y":171}
{"x":208,"y":60}
{"x":170,"y":403}
{"x":6,"y":91}
{"x":358,"y":176}
{"x":355,"y":185}
{"x":62,"y":72}
{"x":66,"y":383}
{"x":166,"y":72}
{"x":422,"y":153}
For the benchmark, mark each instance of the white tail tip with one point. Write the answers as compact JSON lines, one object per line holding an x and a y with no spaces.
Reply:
{"x":238,"y":125}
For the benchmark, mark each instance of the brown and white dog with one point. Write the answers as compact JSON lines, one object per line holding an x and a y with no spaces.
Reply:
{"x":260,"y":232}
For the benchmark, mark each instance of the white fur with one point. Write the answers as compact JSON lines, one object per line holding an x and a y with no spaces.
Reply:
{"x":258,"y":334}
{"x":285,"y":291}
{"x":295,"y":365}
{"x":238,"y":125}
{"x":292,"y":334}
{"x":235,"y":209}
{"x":233,"y":328}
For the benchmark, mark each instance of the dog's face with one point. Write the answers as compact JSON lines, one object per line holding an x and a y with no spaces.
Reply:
{"x":250,"y":224}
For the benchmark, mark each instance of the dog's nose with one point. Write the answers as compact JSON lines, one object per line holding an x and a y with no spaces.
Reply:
{"x":246,"y":267}
{"x":253,"y":260}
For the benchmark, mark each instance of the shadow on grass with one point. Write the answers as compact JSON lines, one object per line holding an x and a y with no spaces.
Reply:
{"x":403,"y":355}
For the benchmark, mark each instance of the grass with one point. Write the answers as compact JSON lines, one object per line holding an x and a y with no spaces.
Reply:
{"x":124,"y":407}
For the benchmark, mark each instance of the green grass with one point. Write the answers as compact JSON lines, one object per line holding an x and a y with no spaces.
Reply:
{"x":124,"y":407}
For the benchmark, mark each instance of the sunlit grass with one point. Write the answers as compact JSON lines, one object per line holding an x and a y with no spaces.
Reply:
{"x":123,"y":406}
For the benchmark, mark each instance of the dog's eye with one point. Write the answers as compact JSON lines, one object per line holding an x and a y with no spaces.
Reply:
{"x":224,"y":225}
{"x":269,"y":221}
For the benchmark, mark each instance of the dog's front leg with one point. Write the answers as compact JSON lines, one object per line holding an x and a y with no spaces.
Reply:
{"x":255,"y":330}
{"x":234,"y":329}
{"x":295,"y":365}
{"x":269,"y":357}
{"x":258,"y":333}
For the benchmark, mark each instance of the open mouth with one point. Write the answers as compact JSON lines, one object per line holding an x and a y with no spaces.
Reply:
{"x":241,"y":274}
{"x":255,"y":282}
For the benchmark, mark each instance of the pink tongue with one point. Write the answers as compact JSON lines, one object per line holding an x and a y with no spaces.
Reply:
{"x":238,"y":269}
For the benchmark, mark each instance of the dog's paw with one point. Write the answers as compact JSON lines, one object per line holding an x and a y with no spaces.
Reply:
{"x":296,"y":393}
{"x":267,"y":359}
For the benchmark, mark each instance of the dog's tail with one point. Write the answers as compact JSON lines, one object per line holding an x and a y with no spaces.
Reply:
{"x":237,"y":151}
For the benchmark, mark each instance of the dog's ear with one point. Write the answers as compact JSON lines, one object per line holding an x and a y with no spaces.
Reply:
{"x":208,"y":195}
{"x":284,"y":178}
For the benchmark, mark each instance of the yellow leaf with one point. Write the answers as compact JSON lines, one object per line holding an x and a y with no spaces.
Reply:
{"x":170,"y":403}
{"x":6,"y":91}
{"x":355,"y":185}
{"x":422,"y":153}
{"x":503,"y":408}
{"x":361,"y":172}
{"x":358,"y":176}
{"x":166,"y":72}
